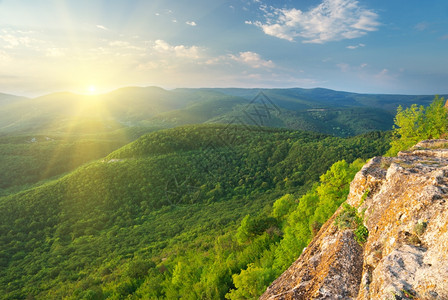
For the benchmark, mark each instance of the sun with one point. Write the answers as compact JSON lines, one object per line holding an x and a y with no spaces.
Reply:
{"x":91,"y":89}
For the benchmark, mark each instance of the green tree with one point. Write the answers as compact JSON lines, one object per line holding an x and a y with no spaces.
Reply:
{"x":250,"y":283}
{"x":418,"y":123}
{"x":297,"y":234}
{"x":436,"y":121}
{"x":283,"y":206}
{"x":139,"y":268}
{"x":243,"y":234}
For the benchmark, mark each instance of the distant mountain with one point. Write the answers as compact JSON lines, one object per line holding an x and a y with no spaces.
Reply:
{"x":321,"y":98}
{"x":320,"y":110}
{"x":7,"y":99}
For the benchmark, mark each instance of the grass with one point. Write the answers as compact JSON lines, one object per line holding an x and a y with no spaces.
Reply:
{"x":364,"y":196}
{"x":420,"y":228}
{"x":350,"y":219}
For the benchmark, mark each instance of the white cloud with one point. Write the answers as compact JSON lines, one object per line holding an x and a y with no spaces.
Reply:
{"x":15,"y":40}
{"x":191,"y":23}
{"x":352,"y":47}
{"x":178,"y":50}
{"x":247,"y":58}
{"x":383,"y":74}
{"x":332,"y":20}
{"x":102,"y":27}
{"x":252,"y":59}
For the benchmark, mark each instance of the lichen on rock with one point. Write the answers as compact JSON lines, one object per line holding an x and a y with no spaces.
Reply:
{"x":404,"y":200}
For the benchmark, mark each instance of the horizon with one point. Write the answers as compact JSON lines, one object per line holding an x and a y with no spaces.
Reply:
{"x":103,"y":93}
{"x":369,"y":47}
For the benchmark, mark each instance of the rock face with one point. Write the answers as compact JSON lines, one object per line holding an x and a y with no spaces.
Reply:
{"x":405,"y":205}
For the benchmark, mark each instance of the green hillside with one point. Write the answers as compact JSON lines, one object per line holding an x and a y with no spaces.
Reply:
{"x":334,"y":121}
{"x":126,"y":225}
{"x":28,"y":159}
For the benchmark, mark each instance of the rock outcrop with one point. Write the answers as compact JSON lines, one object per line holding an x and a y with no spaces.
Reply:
{"x":405,"y":207}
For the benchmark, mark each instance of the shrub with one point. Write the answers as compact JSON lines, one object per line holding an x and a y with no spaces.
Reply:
{"x":361,"y":234}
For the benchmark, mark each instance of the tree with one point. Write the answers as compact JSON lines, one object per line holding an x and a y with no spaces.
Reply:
{"x":250,"y":283}
{"x":139,"y":268}
{"x":436,"y":121}
{"x":244,"y":233}
{"x":283,"y":206}
{"x":418,"y":123}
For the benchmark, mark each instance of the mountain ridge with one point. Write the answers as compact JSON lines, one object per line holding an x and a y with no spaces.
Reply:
{"x":249,"y":92}
{"x":320,"y":110}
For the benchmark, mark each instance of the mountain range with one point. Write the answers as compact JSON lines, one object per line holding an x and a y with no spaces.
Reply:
{"x":320,"y":110}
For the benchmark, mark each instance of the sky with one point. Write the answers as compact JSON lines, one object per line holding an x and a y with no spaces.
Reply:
{"x":95,"y":46}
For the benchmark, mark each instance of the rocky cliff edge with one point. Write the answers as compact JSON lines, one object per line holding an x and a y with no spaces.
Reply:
{"x":404,"y":205}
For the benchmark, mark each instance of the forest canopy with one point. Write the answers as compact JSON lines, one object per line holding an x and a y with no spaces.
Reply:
{"x":185,"y":212}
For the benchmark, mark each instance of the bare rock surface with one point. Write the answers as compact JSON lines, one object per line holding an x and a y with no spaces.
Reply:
{"x":404,"y":199}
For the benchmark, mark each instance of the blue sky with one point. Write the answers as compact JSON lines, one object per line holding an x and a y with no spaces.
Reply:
{"x":372,"y":46}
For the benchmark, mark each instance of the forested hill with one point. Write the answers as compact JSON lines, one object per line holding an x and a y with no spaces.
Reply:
{"x":125,"y":224}
{"x":321,"y":97}
{"x":319,"y":110}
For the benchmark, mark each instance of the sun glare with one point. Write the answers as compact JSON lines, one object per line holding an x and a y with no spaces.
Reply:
{"x":92,"y":89}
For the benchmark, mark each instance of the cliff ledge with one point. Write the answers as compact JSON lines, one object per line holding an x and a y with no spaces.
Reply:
{"x":404,"y":201}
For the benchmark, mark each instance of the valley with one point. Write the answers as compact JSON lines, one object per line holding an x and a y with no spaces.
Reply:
{"x":242,"y":149}
{"x":154,"y":202}
{"x":145,"y":201}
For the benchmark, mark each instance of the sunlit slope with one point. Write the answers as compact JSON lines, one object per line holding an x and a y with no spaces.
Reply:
{"x":69,"y":112}
{"x":28,"y":159}
{"x":168,"y":189}
{"x":72,"y":113}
